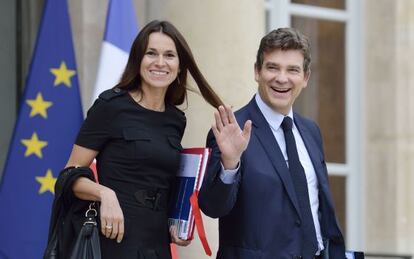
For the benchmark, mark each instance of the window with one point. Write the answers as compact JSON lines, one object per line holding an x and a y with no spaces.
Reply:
{"x":332,"y":96}
{"x":338,"y":4}
{"x":324,"y":98}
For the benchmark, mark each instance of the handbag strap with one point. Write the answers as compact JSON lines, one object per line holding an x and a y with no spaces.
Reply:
{"x":91,"y":214}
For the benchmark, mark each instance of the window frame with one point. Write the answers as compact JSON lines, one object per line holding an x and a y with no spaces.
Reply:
{"x":278,"y":14}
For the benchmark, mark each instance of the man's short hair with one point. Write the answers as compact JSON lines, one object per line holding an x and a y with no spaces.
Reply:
{"x":284,"y":39}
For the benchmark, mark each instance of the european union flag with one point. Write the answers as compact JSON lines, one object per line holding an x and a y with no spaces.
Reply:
{"x":49,"y":119}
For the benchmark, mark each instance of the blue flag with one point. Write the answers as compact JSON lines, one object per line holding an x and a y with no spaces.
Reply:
{"x":121,"y":29}
{"x":49,"y":119}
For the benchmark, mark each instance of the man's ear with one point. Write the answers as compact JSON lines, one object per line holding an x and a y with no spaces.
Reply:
{"x":306,"y":77}
{"x":256,"y":72}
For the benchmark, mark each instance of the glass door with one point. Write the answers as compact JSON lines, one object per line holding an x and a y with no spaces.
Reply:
{"x":332,"y":97}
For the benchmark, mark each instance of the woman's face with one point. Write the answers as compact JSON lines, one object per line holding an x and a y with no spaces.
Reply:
{"x":160,"y":64}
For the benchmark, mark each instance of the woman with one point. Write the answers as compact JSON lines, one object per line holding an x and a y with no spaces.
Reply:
{"x":134,"y":131}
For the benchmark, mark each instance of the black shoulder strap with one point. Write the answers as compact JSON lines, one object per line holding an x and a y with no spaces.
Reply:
{"x":111,"y":93}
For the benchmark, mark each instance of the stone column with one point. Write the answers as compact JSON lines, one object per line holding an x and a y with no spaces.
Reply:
{"x":224,"y":37}
{"x":88,"y":25}
{"x":389,"y":126}
{"x":405,"y":126}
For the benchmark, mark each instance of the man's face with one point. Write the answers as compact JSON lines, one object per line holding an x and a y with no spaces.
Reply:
{"x":281,"y":78}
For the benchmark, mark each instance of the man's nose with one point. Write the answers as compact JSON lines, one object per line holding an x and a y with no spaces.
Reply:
{"x":282,"y":77}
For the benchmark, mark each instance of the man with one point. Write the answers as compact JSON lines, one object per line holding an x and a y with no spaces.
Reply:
{"x":268,"y":183}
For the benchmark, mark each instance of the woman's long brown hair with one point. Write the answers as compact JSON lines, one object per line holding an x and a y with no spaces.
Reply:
{"x":177,"y":91}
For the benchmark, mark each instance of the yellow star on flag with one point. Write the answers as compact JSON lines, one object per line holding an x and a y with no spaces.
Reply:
{"x":62,"y":75}
{"x":47,"y":182}
{"x":34,"y":146}
{"x":39,"y":106}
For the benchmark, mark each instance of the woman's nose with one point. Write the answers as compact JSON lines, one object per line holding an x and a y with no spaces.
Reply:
{"x":160,"y":60}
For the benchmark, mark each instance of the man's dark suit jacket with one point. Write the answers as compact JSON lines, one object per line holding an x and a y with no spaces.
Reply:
{"x":259,"y":216}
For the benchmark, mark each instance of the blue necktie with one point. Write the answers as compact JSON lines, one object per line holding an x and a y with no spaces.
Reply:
{"x":297,"y":173}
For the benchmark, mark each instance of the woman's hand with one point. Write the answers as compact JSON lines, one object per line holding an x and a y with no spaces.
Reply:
{"x":175,"y":239}
{"x":231,"y":140}
{"x":112,"y":218}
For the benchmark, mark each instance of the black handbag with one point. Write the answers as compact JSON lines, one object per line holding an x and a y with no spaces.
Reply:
{"x":67,"y":215}
{"x":87,"y":245}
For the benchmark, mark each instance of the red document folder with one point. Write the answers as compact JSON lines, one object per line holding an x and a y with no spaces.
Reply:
{"x":185,"y":214}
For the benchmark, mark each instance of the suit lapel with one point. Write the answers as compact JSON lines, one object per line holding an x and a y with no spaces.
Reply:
{"x":316,"y":157}
{"x":310,"y":144}
{"x":266,"y":138}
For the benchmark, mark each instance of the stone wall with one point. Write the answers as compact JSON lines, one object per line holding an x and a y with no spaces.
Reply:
{"x":389,"y":126}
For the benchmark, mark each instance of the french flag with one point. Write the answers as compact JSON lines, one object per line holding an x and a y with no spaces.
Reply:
{"x":121,"y":30}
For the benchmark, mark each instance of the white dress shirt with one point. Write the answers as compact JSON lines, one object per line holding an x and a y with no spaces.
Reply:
{"x":275,"y":120}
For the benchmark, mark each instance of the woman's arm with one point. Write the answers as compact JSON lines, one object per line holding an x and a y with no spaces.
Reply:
{"x":112,"y":218}
{"x":84,"y":188}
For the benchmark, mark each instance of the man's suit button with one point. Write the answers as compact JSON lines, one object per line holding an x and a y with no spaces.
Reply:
{"x":297,"y":223}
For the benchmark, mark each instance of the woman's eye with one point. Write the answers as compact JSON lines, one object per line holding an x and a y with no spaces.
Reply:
{"x":151,"y":53}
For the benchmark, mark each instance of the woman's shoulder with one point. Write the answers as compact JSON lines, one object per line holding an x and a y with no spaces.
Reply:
{"x":112,"y":94}
{"x":176,"y":117}
{"x":106,"y":102}
{"x":177,"y":112}
{"x":110,"y":98}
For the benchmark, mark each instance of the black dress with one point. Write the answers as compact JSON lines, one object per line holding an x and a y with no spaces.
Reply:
{"x":139,"y":155}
